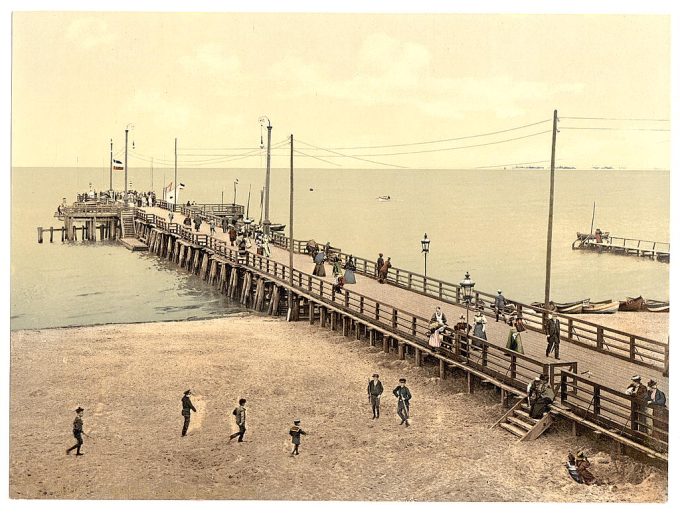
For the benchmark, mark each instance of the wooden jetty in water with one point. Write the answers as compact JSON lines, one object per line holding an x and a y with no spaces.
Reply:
{"x":623,"y":246}
{"x":589,"y":381}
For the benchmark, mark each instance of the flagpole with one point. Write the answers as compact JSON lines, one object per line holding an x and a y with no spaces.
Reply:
{"x":175,"y":198}
{"x":111,"y":168}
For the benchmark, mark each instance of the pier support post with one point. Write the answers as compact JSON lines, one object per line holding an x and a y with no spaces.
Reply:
{"x":322,"y":316}
{"x":419,"y":357}
{"x":357,"y":331}
{"x":401,"y":351}
{"x":371,"y":337}
{"x":311,"y":312}
{"x":40,"y":235}
{"x":386,"y":343}
{"x":345,"y":325}
{"x":442,"y":369}
{"x":470,"y":383}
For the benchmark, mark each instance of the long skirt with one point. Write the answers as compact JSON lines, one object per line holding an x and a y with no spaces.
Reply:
{"x":349,"y":277}
{"x":479,"y":331}
{"x":319,"y":270}
{"x":435,"y":339}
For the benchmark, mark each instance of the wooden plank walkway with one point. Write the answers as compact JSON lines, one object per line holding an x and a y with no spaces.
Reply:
{"x":608,"y":370}
{"x":133,"y":244}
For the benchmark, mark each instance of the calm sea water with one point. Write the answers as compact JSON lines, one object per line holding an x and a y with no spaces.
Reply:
{"x":490,"y":223}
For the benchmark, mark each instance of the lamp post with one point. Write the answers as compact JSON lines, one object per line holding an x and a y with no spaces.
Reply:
{"x":266,"y":221}
{"x":467,"y":285}
{"x":235,"y":184}
{"x":425,"y":242}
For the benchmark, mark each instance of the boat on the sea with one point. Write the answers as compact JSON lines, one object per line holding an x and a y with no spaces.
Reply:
{"x":384,"y":198}
{"x":605,"y":307}
{"x":277,"y":227}
{"x":657,"y":306}
{"x":632,"y":304}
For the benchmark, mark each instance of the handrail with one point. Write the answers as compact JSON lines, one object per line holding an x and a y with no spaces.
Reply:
{"x":574,"y":330}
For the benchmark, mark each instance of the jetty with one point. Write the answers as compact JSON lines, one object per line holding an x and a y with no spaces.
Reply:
{"x":590,"y":378}
{"x":623,"y":246}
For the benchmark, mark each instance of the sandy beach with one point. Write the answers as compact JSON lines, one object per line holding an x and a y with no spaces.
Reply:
{"x":130,"y":379}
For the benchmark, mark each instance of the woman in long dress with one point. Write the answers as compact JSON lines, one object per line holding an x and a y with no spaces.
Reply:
{"x":479,"y":330}
{"x":437,"y":326}
{"x":350,"y":268}
{"x":319,"y":269}
{"x":514,"y":341}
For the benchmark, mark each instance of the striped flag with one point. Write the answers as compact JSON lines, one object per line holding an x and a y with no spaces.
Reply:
{"x":117,"y":165}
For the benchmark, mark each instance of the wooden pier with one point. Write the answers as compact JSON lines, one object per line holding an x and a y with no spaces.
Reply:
{"x":623,"y":246}
{"x":590,"y":378}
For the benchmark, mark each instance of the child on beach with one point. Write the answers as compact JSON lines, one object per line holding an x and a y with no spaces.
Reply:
{"x":296,"y":432}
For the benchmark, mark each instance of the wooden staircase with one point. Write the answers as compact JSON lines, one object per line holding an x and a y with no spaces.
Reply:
{"x":127,"y":222}
{"x":518,"y":422}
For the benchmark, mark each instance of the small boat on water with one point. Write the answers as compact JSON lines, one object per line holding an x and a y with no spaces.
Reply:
{"x":385,"y":198}
{"x":606,"y":307}
{"x":276,"y":227}
{"x":564,"y":308}
{"x":632,"y":304}
{"x":657,"y":306}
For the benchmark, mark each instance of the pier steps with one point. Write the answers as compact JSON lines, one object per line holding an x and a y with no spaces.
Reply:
{"x":518,"y":422}
{"x":127,"y":222}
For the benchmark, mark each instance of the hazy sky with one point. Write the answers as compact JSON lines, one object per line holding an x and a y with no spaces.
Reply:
{"x":338,"y":81}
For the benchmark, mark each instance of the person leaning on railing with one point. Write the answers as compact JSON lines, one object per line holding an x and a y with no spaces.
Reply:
{"x":656,"y":401}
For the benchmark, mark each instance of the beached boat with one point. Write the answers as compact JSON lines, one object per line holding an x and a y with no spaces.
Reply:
{"x":657,"y":306}
{"x":632,"y":304}
{"x":384,"y":198}
{"x":606,"y":307}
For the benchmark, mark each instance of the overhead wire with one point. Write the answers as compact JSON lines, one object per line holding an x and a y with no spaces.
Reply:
{"x":314,"y":157}
{"x":612,"y":119}
{"x":352,"y":156}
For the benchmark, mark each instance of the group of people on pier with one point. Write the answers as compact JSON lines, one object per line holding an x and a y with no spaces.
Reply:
{"x":648,"y":405}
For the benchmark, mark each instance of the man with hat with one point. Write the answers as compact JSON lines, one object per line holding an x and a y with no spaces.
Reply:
{"x":187,"y":407}
{"x":656,"y":400}
{"x":553,"y":331}
{"x":403,"y":398}
{"x":582,"y":465}
{"x":379,"y":264}
{"x":638,"y":392}
{"x":375,"y":391}
{"x":296,"y":432}
{"x":499,"y":304}
{"x":77,"y":432}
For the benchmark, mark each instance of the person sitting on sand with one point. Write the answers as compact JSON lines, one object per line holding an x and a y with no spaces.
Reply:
{"x":582,"y":465}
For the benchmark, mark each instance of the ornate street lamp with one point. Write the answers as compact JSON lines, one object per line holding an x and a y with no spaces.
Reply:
{"x":467,"y":285}
{"x":425,"y":242}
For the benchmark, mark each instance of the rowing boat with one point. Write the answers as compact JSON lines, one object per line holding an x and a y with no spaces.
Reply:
{"x":606,"y":307}
{"x":657,"y":306}
{"x":632,"y":304}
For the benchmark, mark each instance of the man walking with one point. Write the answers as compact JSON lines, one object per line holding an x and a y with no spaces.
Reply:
{"x":379,"y":264}
{"x":187,"y":407}
{"x":240,"y":415}
{"x":403,"y":398}
{"x":296,"y":432}
{"x":499,"y":304}
{"x":375,"y":391}
{"x":77,"y":432}
{"x":553,"y":330}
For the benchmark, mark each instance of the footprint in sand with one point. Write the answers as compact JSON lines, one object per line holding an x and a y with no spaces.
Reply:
{"x":198,"y":416}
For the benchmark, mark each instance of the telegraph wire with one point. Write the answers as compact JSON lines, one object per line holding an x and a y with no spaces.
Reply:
{"x":511,"y":164}
{"x":314,"y":157}
{"x":612,"y":119}
{"x":617,"y":129}
{"x":352,"y":156}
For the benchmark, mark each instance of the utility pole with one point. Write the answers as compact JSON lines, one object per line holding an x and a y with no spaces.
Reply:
{"x":548,"y":253}
{"x":126,"y":150}
{"x":266,"y":222}
{"x":290,"y":221}
{"x":174,"y":200}
{"x":111,"y":168}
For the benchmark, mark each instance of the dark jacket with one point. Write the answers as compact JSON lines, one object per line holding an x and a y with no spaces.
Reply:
{"x":78,"y":424}
{"x":554,"y":328}
{"x":295,"y":433}
{"x":375,"y":389}
{"x":402,"y":393}
{"x":187,"y":406}
{"x":240,"y":413}
{"x":499,"y":302}
{"x":659,"y":398}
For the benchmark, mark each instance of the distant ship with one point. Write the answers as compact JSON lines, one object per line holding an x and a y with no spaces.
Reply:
{"x":384,"y":198}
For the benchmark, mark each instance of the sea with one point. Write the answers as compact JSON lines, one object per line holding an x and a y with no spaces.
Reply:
{"x":490,"y":223}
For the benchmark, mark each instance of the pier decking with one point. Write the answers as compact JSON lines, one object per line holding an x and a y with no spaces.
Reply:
{"x":624,"y":246}
{"x":592,"y":373}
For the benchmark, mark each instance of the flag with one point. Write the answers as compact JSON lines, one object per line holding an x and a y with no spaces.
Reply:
{"x":180,"y":186}
{"x":117,"y":165}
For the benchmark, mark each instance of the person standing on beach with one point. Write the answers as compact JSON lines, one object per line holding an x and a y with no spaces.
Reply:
{"x":499,"y":304}
{"x":77,"y":432}
{"x":379,"y":264}
{"x":375,"y":391}
{"x":240,"y":415}
{"x":296,"y":432}
{"x":553,"y":330}
{"x":187,"y":407}
{"x":403,"y":401}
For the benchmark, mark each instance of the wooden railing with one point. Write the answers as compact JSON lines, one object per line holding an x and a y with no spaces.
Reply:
{"x":596,"y":402}
{"x":617,"y":343}
{"x":615,"y":410}
{"x":207,"y":211}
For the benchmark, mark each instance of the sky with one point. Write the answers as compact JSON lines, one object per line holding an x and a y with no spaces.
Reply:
{"x":338,"y":82}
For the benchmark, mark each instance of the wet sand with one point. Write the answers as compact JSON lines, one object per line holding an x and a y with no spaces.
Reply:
{"x":130,"y":378}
